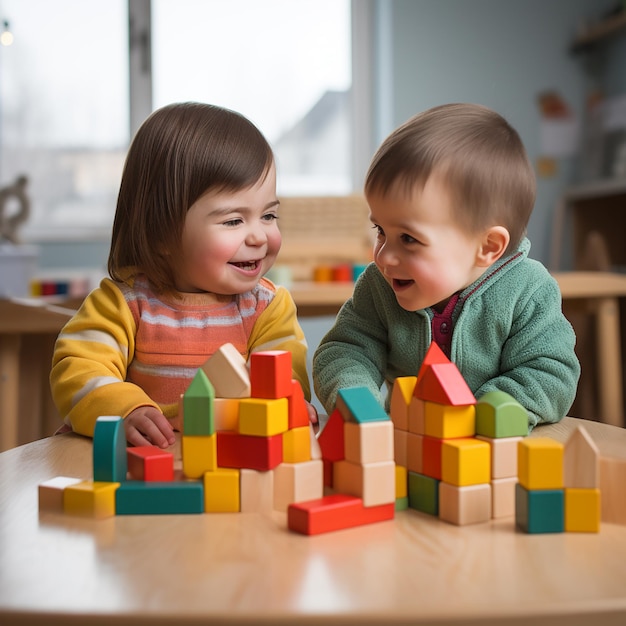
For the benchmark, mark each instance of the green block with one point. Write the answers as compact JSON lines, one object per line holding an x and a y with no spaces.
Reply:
{"x":360,"y":405}
{"x":540,"y":510}
{"x":423,"y":493}
{"x":402,"y":504}
{"x":110,"y":464}
{"x":136,"y":497}
{"x":198,"y":416}
{"x":498,"y":415}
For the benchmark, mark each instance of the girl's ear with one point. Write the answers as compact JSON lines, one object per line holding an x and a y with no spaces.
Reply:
{"x":494,"y":242}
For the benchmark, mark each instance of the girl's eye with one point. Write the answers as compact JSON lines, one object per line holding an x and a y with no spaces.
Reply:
{"x":270,"y":217}
{"x":234,"y":222}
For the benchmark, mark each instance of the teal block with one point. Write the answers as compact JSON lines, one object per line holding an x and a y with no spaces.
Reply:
{"x":361,"y":405}
{"x":498,"y":415}
{"x":402,"y":504}
{"x":137,"y":497}
{"x":198,"y":400}
{"x":110,"y":464}
{"x":424,"y":493}
{"x":540,"y":510}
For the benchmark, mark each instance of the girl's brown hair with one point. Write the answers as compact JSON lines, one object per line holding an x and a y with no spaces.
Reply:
{"x":179,"y":153}
{"x":479,"y":156}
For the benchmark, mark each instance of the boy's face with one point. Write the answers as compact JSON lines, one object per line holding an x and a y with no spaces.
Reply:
{"x":230,"y":239}
{"x":420,"y":250}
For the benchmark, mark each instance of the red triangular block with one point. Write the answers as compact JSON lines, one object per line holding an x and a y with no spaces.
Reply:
{"x":434,"y":354}
{"x":442,"y":383}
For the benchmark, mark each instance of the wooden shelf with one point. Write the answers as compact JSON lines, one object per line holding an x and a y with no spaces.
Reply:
{"x":599,"y":31}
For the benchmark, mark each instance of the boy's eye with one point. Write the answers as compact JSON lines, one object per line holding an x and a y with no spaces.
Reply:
{"x":408,"y":239}
{"x":379,"y":231}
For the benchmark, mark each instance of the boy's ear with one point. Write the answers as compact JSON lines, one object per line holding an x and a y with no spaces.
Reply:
{"x":494,"y":243}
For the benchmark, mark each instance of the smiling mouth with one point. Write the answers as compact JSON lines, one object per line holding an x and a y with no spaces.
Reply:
{"x":247,"y":266}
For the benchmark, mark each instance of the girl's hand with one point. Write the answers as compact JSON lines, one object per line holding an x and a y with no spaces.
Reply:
{"x":147,"y":426}
{"x":312,"y":411}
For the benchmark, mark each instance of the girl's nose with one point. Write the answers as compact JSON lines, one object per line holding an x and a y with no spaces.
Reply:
{"x":256,"y":236}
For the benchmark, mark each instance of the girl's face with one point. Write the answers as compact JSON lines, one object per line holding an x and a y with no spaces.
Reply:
{"x":230,"y":239}
{"x":420,"y":249}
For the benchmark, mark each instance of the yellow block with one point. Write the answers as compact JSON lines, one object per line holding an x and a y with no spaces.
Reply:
{"x":263,"y":417}
{"x":582,"y":510}
{"x":465,"y":462}
{"x":199,"y":454}
{"x":90,"y":499}
{"x":540,"y":463}
{"x":297,"y":445}
{"x":448,"y":422}
{"x":221,"y":491}
{"x":401,"y":482}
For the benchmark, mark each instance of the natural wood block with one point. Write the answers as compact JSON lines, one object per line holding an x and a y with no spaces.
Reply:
{"x":415,"y":452}
{"x":374,"y":483}
{"x":297,"y":482}
{"x":228,"y":373}
{"x":581,"y":463}
{"x":51,"y":493}
{"x":417,"y":412}
{"x":226,"y":414}
{"x":401,"y":394}
{"x":464,"y":505}
{"x":446,"y":422}
{"x":369,"y":442}
{"x":400,"y":446}
{"x":256,"y":491}
{"x":503,"y":497}
{"x":612,"y":481}
{"x":503,"y":456}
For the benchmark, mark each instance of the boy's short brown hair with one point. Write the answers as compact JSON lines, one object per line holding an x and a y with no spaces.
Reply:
{"x":179,"y":153}
{"x":479,"y":156}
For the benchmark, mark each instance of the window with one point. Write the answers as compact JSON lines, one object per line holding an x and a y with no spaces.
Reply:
{"x":67,"y":86}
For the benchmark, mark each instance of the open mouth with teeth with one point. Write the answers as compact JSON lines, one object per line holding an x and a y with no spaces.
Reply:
{"x":248,"y":266}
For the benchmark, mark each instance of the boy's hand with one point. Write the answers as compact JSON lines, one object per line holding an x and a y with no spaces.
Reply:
{"x":148,"y":426}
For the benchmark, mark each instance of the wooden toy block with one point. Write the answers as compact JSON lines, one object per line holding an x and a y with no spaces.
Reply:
{"x":581,"y":461}
{"x":540,"y":510}
{"x":370,"y":442}
{"x":503,"y":497}
{"x":51,"y":491}
{"x":431,"y":457}
{"x":256,"y":491}
{"x":150,"y":463}
{"x":540,"y":463}
{"x":612,"y":481}
{"x":401,"y":394}
{"x":582,"y":510}
{"x":270,"y":374}
{"x":89,"y":498}
{"x":249,"y":452}
{"x":417,"y":411}
{"x":402,"y":504}
{"x":331,"y":438}
{"x":221,"y":491}
{"x":465,"y":462}
{"x":503,"y":456}
{"x":374,"y":483}
{"x":442,"y":383}
{"x":415,"y":453}
{"x":297,"y":445}
{"x":228,"y":373}
{"x":226,"y":414}
{"x":263,"y":417}
{"x":402,"y":482}
{"x":400,"y":446}
{"x":423,"y":493}
{"x":446,"y":422}
{"x":498,"y":414}
{"x":297,"y":482}
{"x":199,"y":455}
{"x":433,"y":355}
{"x":464,"y":505}
{"x":197,"y":409}
{"x":109,"y":450}
{"x":328,"y":473}
{"x":298,"y":413}
{"x":136,"y":497}
{"x":334,"y":512}
{"x":357,"y":404}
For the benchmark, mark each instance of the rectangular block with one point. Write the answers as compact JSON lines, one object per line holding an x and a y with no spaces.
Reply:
{"x":249,"y":452}
{"x":150,"y":463}
{"x":50,"y":493}
{"x":374,"y":483}
{"x":263,"y":417}
{"x":415,"y":452}
{"x":465,"y":505}
{"x":226,"y":414}
{"x":400,"y":446}
{"x":88,"y":498}
{"x":402,"y":482}
{"x":270,"y":374}
{"x":197,"y":406}
{"x":401,"y":394}
{"x":431,"y":457}
{"x":358,"y":404}
{"x":540,"y":511}
{"x":465,"y":462}
{"x":136,"y":497}
{"x":221,"y":491}
{"x":228,"y":373}
{"x":298,"y":412}
{"x":424,"y":493}
{"x":199,"y":455}
{"x":446,"y":422}
{"x":540,"y":463}
{"x":503,"y":456}
{"x":417,"y":412}
{"x":334,"y":512}
{"x":297,"y":445}
{"x":256,"y":491}
{"x":370,"y":442}
{"x":503,"y":497}
{"x":297,"y":482}
{"x":109,"y":450}
{"x":582,"y":510}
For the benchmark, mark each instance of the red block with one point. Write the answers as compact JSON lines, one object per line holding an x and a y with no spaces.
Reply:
{"x":270,"y":374}
{"x":433,"y":355}
{"x":442,"y":383}
{"x":334,"y":512}
{"x":331,"y":438}
{"x":150,"y":463}
{"x":248,"y":451}
{"x":298,"y":414}
{"x":431,"y":457}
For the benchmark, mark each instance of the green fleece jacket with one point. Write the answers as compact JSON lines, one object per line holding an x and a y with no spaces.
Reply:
{"x":509,"y":334}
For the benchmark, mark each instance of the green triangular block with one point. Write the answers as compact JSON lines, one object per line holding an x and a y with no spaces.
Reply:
{"x":198,"y":406}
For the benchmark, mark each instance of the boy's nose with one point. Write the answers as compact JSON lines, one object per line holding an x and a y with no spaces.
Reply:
{"x":386,"y":255}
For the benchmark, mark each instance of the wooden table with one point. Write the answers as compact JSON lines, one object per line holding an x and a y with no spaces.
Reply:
{"x":246,"y":568}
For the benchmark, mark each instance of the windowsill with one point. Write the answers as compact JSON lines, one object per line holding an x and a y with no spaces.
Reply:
{"x":60,"y":235}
